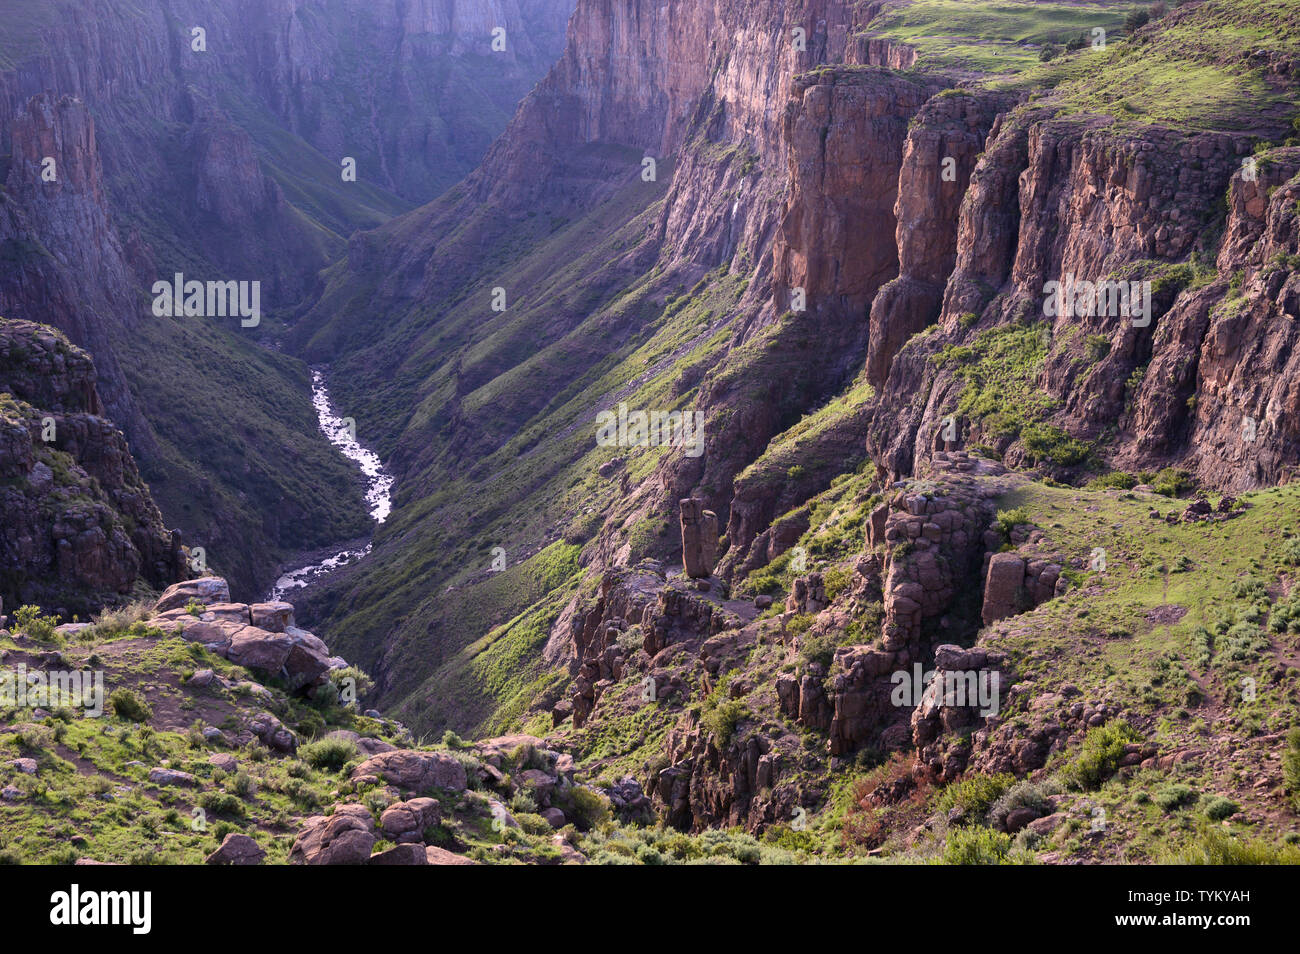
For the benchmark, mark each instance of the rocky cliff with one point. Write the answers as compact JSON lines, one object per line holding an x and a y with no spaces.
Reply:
{"x":80,"y":527}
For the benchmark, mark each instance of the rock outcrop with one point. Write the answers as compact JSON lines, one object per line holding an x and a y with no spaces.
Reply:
{"x":79,"y":524}
{"x":200,"y":611}
{"x":699,"y":539}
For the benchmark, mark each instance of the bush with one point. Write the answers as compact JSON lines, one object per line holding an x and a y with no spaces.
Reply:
{"x":1021,"y":795}
{"x":1217,"y":847}
{"x":353,"y":684}
{"x":1136,"y":19}
{"x":975,"y":795}
{"x":1172,"y":483}
{"x":221,"y":803}
{"x":836,"y":580}
{"x":1046,"y":442}
{"x":585,"y":808}
{"x":127,"y":705}
{"x":1099,"y":756}
{"x":721,"y":716}
{"x":1169,"y":797}
{"x":1009,"y":519}
{"x":1116,"y":480}
{"x":976,"y":846}
{"x":29,"y":620}
{"x":330,"y":754}
{"x":1217,"y":808}
{"x":1291,"y":552}
{"x":1096,"y":347}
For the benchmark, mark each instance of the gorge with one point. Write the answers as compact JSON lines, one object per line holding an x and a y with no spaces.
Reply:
{"x":710,"y":367}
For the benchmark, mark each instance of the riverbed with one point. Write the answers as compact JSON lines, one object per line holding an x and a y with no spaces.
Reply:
{"x":379,"y":491}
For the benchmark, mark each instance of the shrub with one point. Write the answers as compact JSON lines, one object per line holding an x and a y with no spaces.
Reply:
{"x":1136,"y":19}
{"x":1021,"y":795}
{"x":241,"y":785}
{"x":352,"y":683}
{"x":1050,"y":443}
{"x":1116,"y":480}
{"x":1171,"y":482}
{"x":1217,"y":808}
{"x":1217,"y":847}
{"x":721,"y":716}
{"x":1169,"y":797}
{"x":585,"y":808}
{"x":1096,"y":347}
{"x":330,"y":754}
{"x":1008,"y":519}
{"x":836,"y":580}
{"x":976,"y":846}
{"x":29,"y":620}
{"x":1099,"y":756}
{"x":975,"y":795}
{"x":221,"y":803}
{"x":127,"y":705}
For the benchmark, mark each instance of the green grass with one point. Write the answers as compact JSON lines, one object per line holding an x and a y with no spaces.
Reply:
{"x":999,"y":37}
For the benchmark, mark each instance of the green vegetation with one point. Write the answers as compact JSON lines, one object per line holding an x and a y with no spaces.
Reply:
{"x":127,"y":705}
{"x":999,"y":37}
{"x":974,"y":795}
{"x":330,"y":754}
{"x":1099,"y":756}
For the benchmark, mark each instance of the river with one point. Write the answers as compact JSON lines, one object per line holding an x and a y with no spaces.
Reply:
{"x":379,"y":491}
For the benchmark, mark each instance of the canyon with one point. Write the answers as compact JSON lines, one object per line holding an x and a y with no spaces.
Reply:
{"x":906,"y":455}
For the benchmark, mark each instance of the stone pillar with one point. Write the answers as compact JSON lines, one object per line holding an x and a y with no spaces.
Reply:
{"x":699,"y":538}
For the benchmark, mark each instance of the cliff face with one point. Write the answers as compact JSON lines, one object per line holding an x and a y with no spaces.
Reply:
{"x":80,"y":527}
{"x":1056,"y":198}
{"x":412,"y":90}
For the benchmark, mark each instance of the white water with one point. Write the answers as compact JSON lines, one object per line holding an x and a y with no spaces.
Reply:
{"x":379,"y":490}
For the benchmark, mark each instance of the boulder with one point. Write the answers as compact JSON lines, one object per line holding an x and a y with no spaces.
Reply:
{"x":205,"y":590}
{"x":224,"y":761}
{"x":344,"y":838}
{"x":441,"y":856}
{"x":406,"y":819}
{"x":257,"y":649}
{"x":305,"y":665}
{"x":415,"y":771}
{"x":1006,"y":575}
{"x":237,"y":849}
{"x":272,"y":617}
{"x":166,"y":776}
{"x":401,"y":855}
{"x":229,"y":612}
